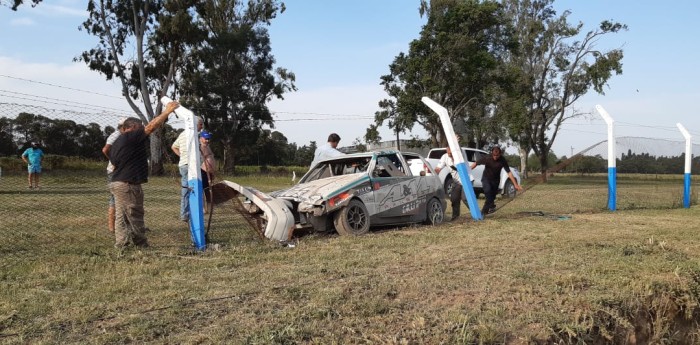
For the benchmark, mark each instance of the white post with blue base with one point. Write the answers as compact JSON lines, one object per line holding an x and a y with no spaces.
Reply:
{"x":688,"y":164}
{"x":612,"y":169}
{"x":194,"y":176}
{"x":463,"y":169}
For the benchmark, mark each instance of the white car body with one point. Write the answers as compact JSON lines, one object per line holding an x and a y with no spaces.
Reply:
{"x":472,"y":155}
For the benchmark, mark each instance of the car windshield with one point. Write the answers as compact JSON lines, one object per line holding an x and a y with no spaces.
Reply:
{"x":338,"y":167}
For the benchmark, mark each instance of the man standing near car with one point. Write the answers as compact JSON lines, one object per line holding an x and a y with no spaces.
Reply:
{"x":456,"y":194}
{"x":492,"y":177}
{"x":328,"y":150}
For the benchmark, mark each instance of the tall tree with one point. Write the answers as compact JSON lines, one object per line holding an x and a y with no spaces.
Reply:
{"x":453,"y":62}
{"x":558,"y":66}
{"x":155,"y":30}
{"x":231,"y":75}
{"x":17,"y":3}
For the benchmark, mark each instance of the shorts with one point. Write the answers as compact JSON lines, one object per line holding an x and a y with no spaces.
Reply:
{"x":34,"y":169}
{"x":111,"y":196}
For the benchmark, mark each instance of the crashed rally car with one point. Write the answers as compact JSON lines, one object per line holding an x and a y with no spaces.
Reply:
{"x":350,"y":194}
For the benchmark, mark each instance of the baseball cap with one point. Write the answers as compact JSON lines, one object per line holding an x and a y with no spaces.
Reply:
{"x":205,"y":135}
{"x":121,"y":121}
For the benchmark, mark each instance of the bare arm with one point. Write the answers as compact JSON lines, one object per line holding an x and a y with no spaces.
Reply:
{"x":175,"y":149}
{"x":515,"y":182}
{"x":160,"y":119}
{"x":105,"y":150}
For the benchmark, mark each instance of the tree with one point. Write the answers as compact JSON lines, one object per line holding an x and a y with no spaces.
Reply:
{"x":230,"y":77}
{"x":17,"y":3}
{"x":453,"y":62}
{"x":154,"y":29}
{"x":7,"y":144}
{"x":556,"y":70}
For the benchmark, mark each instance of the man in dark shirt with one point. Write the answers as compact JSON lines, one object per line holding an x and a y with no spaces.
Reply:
{"x":129,"y":156}
{"x":492,"y":177}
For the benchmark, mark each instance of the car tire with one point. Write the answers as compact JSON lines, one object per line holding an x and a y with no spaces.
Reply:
{"x":448,"y":185}
{"x":352,"y":220}
{"x":509,"y":190}
{"x":435,"y":214}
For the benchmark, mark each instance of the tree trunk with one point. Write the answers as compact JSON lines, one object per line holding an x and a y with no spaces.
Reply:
{"x":544,"y":164}
{"x":523,"y":161}
{"x":229,"y":158}
{"x":156,"y":162}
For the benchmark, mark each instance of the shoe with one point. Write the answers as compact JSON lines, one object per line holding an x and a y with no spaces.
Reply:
{"x":454,"y":218}
{"x":30,"y":187}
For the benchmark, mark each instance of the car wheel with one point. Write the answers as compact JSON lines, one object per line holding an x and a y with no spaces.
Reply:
{"x":352,"y":220}
{"x":435,"y":213}
{"x":448,"y":186}
{"x":509,"y":190}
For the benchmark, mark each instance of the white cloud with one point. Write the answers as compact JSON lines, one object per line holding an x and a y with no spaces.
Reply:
{"x":64,"y":10}
{"x":24,"y":21}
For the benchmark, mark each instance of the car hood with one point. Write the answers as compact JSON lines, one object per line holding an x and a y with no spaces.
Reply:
{"x":323,"y":188}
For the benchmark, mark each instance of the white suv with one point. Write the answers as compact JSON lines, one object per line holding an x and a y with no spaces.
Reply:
{"x":472,"y":155}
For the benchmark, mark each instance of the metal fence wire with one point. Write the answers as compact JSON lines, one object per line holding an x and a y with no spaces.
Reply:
{"x":68,"y":213}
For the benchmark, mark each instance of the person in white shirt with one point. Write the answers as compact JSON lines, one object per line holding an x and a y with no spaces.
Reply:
{"x":110,"y":169}
{"x":328,"y":150}
{"x":180,"y":149}
{"x":456,"y":195}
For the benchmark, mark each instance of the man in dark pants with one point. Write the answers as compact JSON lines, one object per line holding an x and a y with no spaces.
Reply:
{"x":129,"y":155}
{"x":456,"y":195}
{"x":492,"y":177}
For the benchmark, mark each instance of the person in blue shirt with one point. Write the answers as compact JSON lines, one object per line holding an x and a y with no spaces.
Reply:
{"x":33,"y":157}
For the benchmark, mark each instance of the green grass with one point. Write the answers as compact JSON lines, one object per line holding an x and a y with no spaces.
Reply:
{"x":630,"y":276}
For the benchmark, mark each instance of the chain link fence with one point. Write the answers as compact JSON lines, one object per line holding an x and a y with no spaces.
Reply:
{"x":68,"y":213}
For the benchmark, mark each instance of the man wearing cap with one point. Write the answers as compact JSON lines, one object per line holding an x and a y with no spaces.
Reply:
{"x":129,"y":154}
{"x":180,"y":149}
{"x":33,"y":156}
{"x":110,"y":169}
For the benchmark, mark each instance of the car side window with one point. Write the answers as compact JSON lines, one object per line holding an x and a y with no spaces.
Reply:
{"x":469,"y":155}
{"x":389,"y":166}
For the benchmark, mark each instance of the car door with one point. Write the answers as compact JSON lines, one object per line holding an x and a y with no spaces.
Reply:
{"x":473,"y":156}
{"x":395,"y":190}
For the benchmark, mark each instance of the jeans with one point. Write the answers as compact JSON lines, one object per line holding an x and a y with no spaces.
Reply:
{"x":490,"y":191}
{"x":184,"y":195}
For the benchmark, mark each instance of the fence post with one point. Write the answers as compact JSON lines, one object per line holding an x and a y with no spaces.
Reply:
{"x":194,"y":176}
{"x":463,"y":169}
{"x":688,"y":164}
{"x":612,"y":169}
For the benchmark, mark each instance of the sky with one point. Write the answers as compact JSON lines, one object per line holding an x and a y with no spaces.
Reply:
{"x":340,"y":49}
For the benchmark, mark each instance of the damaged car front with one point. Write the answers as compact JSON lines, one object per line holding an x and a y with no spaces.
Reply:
{"x":326,"y":188}
{"x":352,"y":192}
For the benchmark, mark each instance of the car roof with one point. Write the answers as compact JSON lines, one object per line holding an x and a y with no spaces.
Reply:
{"x":368,"y":154}
{"x":463,"y":148}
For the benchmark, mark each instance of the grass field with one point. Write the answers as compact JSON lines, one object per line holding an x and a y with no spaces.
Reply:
{"x":572,"y":273}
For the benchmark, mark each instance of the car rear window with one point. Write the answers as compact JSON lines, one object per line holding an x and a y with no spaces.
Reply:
{"x":436,"y":153}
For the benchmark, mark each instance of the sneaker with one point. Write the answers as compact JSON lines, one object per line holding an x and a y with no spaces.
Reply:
{"x":30,"y":187}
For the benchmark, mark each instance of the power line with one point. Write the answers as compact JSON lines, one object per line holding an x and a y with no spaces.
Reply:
{"x":39,"y":99}
{"x":59,"y":86}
